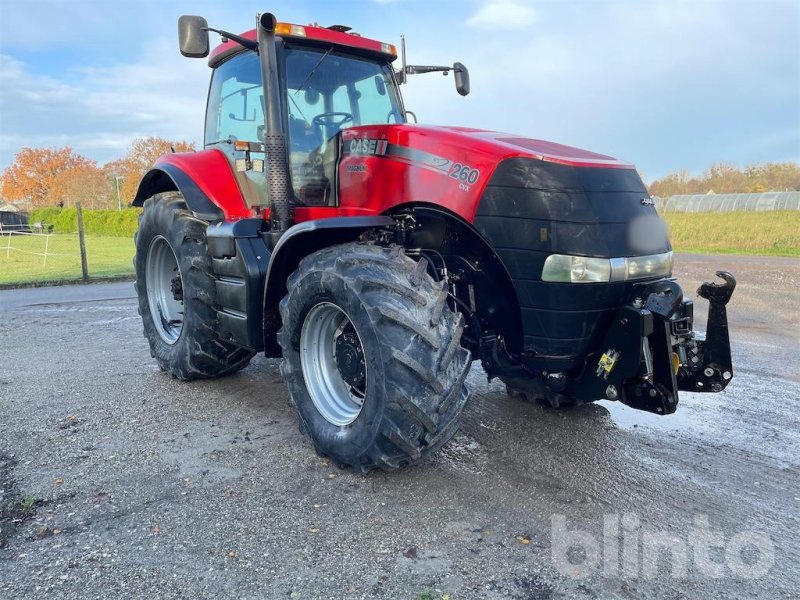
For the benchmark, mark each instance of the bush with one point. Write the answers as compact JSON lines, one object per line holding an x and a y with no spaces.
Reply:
{"x":121,"y":223}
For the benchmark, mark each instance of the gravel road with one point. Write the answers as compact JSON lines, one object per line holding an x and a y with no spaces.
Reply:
{"x":118,"y":481}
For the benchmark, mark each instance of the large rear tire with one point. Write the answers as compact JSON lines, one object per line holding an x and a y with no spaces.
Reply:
{"x":177,"y":293}
{"x":372,"y":356}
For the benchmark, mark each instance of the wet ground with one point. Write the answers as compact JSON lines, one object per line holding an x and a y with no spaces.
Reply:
{"x":118,"y":481}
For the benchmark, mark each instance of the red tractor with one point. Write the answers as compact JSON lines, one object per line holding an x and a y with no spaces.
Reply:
{"x":379,"y":258}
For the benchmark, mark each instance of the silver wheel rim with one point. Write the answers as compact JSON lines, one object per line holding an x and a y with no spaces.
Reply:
{"x":337,"y":401}
{"x":163,"y":280}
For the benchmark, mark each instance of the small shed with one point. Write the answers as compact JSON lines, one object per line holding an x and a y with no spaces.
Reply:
{"x":12,"y":218}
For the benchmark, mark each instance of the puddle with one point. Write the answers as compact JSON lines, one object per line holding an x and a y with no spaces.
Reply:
{"x":79,"y":308}
{"x":464,"y":453}
{"x":115,"y":320}
{"x":200,"y":452}
{"x":626,"y":417}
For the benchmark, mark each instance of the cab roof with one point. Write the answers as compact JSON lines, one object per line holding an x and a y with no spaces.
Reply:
{"x":332,"y":35}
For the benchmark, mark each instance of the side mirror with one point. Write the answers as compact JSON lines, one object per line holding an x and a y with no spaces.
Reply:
{"x":461,"y":75}
{"x":193,"y":36}
{"x":380,"y":86}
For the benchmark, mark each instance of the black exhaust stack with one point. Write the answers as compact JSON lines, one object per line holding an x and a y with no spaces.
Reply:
{"x":280,"y":206}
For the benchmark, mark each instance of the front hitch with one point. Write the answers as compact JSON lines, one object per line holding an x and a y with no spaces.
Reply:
{"x":650,"y":350}
{"x":715,"y":367}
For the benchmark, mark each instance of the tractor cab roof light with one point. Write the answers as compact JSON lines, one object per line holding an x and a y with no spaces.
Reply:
{"x":289,"y":30}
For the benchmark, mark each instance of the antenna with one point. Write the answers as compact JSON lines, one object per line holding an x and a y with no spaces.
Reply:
{"x":402,"y":77}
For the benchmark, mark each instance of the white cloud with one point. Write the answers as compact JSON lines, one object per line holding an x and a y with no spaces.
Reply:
{"x":662,"y":83}
{"x":100,"y":110}
{"x":665,"y":85}
{"x":504,"y":14}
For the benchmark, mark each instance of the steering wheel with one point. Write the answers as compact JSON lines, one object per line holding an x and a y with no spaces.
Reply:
{"x":328,"y":119}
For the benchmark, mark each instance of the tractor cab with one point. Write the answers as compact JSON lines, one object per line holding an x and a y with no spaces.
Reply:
{"x":329,"y":81}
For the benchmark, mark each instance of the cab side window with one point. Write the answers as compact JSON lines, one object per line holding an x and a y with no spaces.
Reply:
{"x":236,"y":100}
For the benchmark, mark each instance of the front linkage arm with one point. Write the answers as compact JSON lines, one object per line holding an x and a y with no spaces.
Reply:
{"x":715,"y":351}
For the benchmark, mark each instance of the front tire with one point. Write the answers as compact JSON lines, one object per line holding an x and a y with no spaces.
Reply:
{"x":177,"y":293}
{"x":372,"y":356}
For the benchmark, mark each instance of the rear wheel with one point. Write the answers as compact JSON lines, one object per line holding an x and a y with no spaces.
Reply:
{"x":177,"y":293}
{"x":372,"y":356}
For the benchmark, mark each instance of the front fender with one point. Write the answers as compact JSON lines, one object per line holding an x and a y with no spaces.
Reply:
{"x":204,"y":178}
{"x":298,"y":242}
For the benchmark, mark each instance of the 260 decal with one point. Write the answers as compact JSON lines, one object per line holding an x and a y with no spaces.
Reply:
{"x":464,"y":174}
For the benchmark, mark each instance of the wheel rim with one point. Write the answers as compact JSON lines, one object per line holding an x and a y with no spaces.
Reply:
{"x":164,"y":290}
{"x":333,"y":363}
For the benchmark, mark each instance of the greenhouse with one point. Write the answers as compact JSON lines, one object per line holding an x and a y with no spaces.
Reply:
{"x":730,"y":202}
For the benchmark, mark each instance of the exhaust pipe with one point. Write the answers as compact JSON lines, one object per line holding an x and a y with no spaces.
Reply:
{"x":274,"y":138}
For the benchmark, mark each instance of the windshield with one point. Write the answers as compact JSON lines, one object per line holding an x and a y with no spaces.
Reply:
{"x":328,"y":91}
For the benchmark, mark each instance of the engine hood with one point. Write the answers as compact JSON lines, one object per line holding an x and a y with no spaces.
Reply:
{"x":385,"y":165}
{"x":506,"y":145}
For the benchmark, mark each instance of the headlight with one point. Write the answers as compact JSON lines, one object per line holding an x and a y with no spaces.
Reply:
{"x":576,"y":269}
{"x":637,"y":267}
{"x":583,"y":269}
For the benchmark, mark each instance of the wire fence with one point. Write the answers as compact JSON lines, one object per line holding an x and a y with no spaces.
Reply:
{"x":31,"y":254}
{"x":18,"y":241}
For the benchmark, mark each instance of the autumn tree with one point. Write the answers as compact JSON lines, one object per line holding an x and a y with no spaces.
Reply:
{"x":723,"y":178}
{"x":86,"y":184}
{"x":41,"y":176}
{"x":141,"y":155}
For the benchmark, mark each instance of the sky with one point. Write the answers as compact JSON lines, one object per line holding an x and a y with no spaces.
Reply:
{"x":666,"y":85}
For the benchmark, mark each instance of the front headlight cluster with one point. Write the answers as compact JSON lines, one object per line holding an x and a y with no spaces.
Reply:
{"x":583,"y":269}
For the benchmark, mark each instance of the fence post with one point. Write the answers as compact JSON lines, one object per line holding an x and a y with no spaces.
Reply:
{"x":82,"y":241}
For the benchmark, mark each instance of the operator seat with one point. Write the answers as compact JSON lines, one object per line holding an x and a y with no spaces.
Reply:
{"x":308,"y":175}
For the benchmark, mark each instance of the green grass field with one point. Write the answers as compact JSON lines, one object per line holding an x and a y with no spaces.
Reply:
{"x":760,"y":233}
{"x":22,"y":263}
{"x":774,"y":233}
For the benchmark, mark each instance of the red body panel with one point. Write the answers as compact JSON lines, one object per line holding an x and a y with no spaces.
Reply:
{"x":377,"y":182}
{"x":212,"y":173}
{"x":404,"y":164}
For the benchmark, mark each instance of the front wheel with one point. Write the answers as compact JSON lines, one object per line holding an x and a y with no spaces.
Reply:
{"x":177,"y":293}
{"x":372,"y":356}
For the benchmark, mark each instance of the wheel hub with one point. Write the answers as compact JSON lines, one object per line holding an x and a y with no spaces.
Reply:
{"x":350,"y":359}
{"x":176,"y":287}
{"x":333,"y":363}
{"x":164,"y":290}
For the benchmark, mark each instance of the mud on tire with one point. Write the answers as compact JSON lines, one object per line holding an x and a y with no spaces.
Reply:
{"x":198,"y":352}
{"x":415,"y":365}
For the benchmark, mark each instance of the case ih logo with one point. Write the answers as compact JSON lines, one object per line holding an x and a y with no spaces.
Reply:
{"x":367,"y":146}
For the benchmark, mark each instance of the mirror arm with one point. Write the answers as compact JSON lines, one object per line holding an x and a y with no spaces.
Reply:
{"x":419,"y":69}
{"x":244,"y":42}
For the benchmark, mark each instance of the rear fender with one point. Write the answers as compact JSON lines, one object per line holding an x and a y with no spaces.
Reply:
{"x":204,"y":178}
